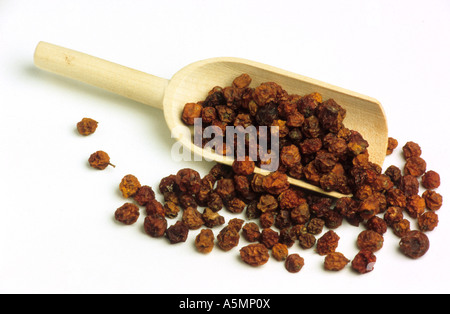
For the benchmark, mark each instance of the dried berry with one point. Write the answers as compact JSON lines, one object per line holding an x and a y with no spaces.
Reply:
{"x":428,"y":221}
{"x":187,"y":201}
{"x":325,"y":161}
{"x":287,"y":236}
{"x":254,"y":254}
{"x":154,"y":208}
{"x":335,"y":145}
{"x":331,"y":115}
{"x":300,"y":215}
{"x":414,"y":244}
{"x":144,"y":195}
{"x":168,"y":184}
{"x":209,"y":114}
{"x":294,"y":263}
{"x":347,"y":207}
{"x":243,"y":188}
{"x":311,"y":128}
{"x":335,"y":261}
{"x":306,"y":240}
{"x":244,"y":167}
{"x":295,"y":119}
{"x":327,"y":243}
{"x":266,"y":220}
{"x":129,"y":185}
{"x":333,"y":219}
{"x":127,"y":214}
{"x":311,"y":173}
{"x":396,"y":197}
{"x":155,"y":226}
{"x":215,"y":97}
{"x":415,"y":166}
{"x":236,"y":205}
{"x":236,"y":223}
{"x":171,"y":209}
{"x":177,"y":233}
{"x":251,"y":232}
{"x":276,"y":183}
{"x":431,"y":180}
{"x":266,"y":93}
{"x":226,"y":114}
{"x":315,"y":226}
{"x":393,"y":215}
{"x":188,"y":181}
{"x":290,"y":156}
{"x":409,"y":185}
{"x":191,"y":111}
{"x":215,"y":202}
{"x":267,"y":114}
{"x":370,"y":240}
{"x":87,"y":126}
{"x":394,"y":173}
{"x":267,"y":203}
{"x":234,"y":97}
{"x":310,"y":146}
{"x":211,"y":218}
{"x":225,"y":188}
{"x":411,"y":149}
{"x":192,"y":218}
{"x":433,"y":200}
{"x":99,"y":160}
{"x":252,"y":211}
{"x":269,"y":237}
{"x":357,"y":144}
{"x":318,"y":205}
{"x":290,"y":199}
{"x":204,"y":241}
{"x":171,"y":197}
{"x":415,"y":206}
{"x":364,"y":262}
{"x":308,"y":103}
{"x":392,"y":144}
{"x":257,"y":183}
{"x":282,"y":219}
{"x":377,"y":224}
{"x":401,"y":228}
{"x":280,"y":251}
{"x":369,"y":207}
{"x":228,"y":238}
{"x":242,"y":81}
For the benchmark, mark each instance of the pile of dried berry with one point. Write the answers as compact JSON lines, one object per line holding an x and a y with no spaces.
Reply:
{"x":314,"y":144}
{"x":276,"y":216}
{"x":273,"y":216}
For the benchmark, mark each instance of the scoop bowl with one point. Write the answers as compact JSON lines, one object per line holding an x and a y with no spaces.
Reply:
{"x":192,"y":83}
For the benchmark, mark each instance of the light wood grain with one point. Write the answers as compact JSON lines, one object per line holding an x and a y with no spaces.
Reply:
{"x":192,"y":83}
{"x":127,"y":82}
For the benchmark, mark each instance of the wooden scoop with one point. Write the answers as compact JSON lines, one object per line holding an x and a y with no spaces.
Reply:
{"x":192,"y":83}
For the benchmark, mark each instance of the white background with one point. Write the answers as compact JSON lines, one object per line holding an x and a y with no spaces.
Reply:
{"x":57,"y":231}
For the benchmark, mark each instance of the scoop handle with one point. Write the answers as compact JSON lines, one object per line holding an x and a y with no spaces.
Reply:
{"x":142,"y":87}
